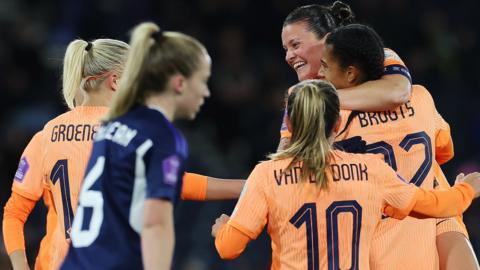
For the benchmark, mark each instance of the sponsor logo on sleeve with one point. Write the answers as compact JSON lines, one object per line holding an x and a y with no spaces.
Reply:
{"x":170,"y":167}
{"x":22,"y":170}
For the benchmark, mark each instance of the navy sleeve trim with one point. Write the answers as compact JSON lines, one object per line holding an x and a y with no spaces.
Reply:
{"x":397,"y":69}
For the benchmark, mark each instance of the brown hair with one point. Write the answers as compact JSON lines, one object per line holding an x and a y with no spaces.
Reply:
{"x":313,"y":109}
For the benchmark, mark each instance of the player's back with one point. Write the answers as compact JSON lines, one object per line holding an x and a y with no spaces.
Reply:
{"x":332,"y":228}
{"x":109,"y":220}
{"x":405,"y":138}
{"x":67,"y":144}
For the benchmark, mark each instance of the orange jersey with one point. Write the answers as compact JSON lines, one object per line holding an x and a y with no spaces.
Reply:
{"x":66,"y":150}
{"x":393,"y":65}
{"x":43,"y":259}
{"x":312,"y":227}
{"x":56,"y":159}
{"x":408,"y":139}
{"x":29,"y":183}
{"x":61,"y":153}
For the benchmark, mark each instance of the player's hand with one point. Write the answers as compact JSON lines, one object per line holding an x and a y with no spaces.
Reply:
{"x":219,"y":222}
{"x":473,"y":179}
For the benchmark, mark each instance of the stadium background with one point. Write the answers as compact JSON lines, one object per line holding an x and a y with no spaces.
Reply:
{"x":239,"y":124}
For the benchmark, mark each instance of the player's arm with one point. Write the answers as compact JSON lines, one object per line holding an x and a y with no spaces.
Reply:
{"x":443,"y":141}
{"x":391,"y":90}
{"x":229,"y":241}
{"x":27,"y":189}
{"x":198,"y":187}
{"x":456,"y":252}
{"x":15,"y":214}
{"x":247,"y":221}
{"x":19,"y":260}
{"x":454,"y":249}
{"x":439,"y":203}
{"x":158,"y":236}
{"x":157,"y":229}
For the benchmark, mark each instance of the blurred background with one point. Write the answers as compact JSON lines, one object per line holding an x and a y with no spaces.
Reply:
{"x":239,"y":124}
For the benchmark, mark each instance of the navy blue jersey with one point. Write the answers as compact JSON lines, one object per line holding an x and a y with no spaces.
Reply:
{"x":140,"y":155}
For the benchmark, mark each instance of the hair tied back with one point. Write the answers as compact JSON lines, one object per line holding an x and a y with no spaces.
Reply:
{"x":158,"y":36}
{"x":89,"y":46}
{"x":342,"y":13}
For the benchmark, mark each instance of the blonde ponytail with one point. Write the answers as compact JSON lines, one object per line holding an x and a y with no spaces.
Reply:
{"x":83,"y":59}
{"x":140,"y":44}
{"x":154,"y":57}
{"x":313,"y":109}
{"x":73,"y":70}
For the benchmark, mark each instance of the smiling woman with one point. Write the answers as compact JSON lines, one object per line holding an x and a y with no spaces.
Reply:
{"x":303,"y":37}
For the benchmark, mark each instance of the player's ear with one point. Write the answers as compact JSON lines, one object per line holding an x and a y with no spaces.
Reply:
{"x":178,"y":83}
{"x":113,"y":81}
{"x":352,"y":75}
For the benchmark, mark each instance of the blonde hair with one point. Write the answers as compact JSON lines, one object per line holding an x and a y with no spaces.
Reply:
{"x":154,"y":57}
{"x":313,"y":109}
{"x":96,"y":58}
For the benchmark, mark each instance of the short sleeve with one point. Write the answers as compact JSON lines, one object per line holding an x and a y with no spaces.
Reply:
{"x":250,"y":213}
{"x":29,"y":179}
{"x":164,"y":174}
{"x":394,"y":65}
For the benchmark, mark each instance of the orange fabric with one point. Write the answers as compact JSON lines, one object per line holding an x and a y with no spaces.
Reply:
{"x":391,"y":58}
{"x":273,"y":197}
{"x":411,"y":130}
{"x":454,"y":224}
{"x":194,"y":187}
{"x":56,"y":158}
{"x":29,"y":180}
{"x":29,"y":183}
{"x":44,"y":253}
{"x":438,"y":203}
{"x":230,"y":242}
{"x":443,"y":140}
{"x":15,"y":214}
{"x":67,"y":147}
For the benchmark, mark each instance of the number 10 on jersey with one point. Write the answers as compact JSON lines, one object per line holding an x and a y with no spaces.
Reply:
{"x":308,"y":214}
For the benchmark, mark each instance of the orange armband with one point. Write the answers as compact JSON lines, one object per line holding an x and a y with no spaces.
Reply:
{"x":194,"y":187}
{"x":16,"y":211}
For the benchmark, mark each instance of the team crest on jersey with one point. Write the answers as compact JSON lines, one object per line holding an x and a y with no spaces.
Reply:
{"x":22,"y":170}
{"x":171,"y":166}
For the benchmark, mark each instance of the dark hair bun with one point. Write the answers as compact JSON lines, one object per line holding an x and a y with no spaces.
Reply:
{"x":342,"y":13}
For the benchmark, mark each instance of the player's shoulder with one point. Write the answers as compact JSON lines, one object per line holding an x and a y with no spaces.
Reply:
{"x":339,"y":156}
{"x":391,"y":54}
{"x":59,"y":119}
{"x":421,"y":92}
{"x":82,"y":114}
{"x":152,"y":124}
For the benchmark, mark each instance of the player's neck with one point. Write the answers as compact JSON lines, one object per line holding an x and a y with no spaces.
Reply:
{"x":100,"y":97}
{"x":162,"y":104}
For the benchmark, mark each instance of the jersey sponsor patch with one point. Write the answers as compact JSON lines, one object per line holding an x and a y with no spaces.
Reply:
{"x":171,"y":166}
{"x":22,"y":170}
